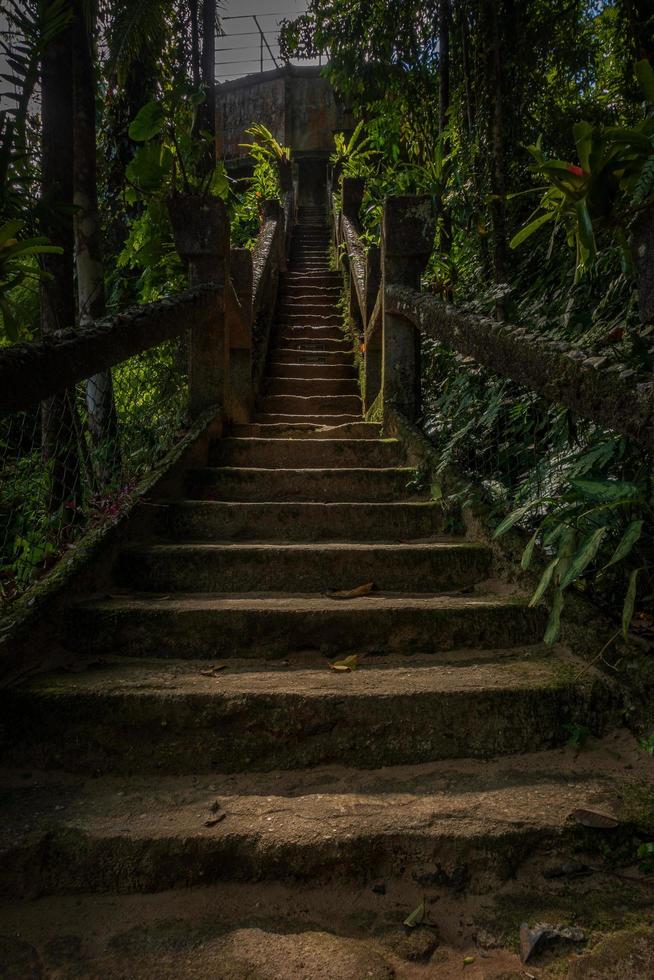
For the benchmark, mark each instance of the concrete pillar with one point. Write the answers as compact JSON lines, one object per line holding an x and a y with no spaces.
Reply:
{"x":201,"y":229}
{"x":408,"y":230}
{"x":352,"y":199}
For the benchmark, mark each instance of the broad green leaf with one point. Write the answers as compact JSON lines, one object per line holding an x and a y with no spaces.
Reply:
{"x":645,"y":75}
{"x":527,"y":554}
{"x":583,"y":134}
{"x":147,"y":122}
{"x":9,"y":230}
{"x":514,"y":517}
{"x":529,"y":229}
{"x":219,"y":186}
{"x":586,"y":553}
{"x":554,"y":622}
{"x":585,"y":226}
{"x":606,"y":491}
{"x":629,"y":539}
{"x":545,"y":580}
{"x":629,"y":602}
{"x":149,"y":167}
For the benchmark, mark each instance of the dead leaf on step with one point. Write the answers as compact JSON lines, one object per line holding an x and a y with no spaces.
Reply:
{"x":212,"y":821}
{"x":593,"y":818}
{"x":356,"y":593}
{"x":417,"y":917}
{"x":533,"y":939}
{"x":346,"y":665}
{"x":468,"y":960}
{"x":213,"y":671}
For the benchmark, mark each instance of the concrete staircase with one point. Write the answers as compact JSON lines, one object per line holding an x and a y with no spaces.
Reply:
{"x":208,"y":741}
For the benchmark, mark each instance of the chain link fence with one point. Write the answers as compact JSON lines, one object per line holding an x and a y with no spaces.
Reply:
{"x":73,"y":462}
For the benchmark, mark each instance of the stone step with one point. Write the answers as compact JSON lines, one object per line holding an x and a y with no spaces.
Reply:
{"x":346,"y":484}
{"x":317,"y":405}
{"x":309,"y":280}
{"x":140,"y":716}
{"x":313,"y":387}
{"x":134,"y":834}
{"x":293,"y":369}
{"x":131,"y":834}
{"x":313,"y":355}
{"x":299,"y":316}
{"x":308,"y":328}
{"x":437,"y":566}
{"x":269,"y":418}
{"x":313,"y":294}
{"x":324,"y":453}
{"x":452,"y":629}
{"x":306,"y":430}
{"x":222,"y":520}
{"x":319,"y":346}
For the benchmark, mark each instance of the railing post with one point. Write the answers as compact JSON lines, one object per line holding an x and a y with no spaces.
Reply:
{"x":201,"y":228}
{"x":239,"y":332}
{"x":408,"y":230}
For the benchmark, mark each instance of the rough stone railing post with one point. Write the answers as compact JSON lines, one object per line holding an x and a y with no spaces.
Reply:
{"x":201,"y":229}
{"x":240,"y":398}
{"x":408,"y":229}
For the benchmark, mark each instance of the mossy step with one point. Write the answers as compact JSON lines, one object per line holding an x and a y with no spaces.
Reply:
{"x":346,"y":484}
{"x":447,"y":628}
{"x":311,"y":355}
{"x":330,"y":345}
{"x":177,"y":717}
{"x":306,"y":430}
{"x":310,"y":405}
{"x":291,"y":368}
{"x":63,"y":834}
{"x":219,"y":520}
{"x":324,"y":453}
{"x":311,"y":388}
{"x":288,"y":418}
{"x":317,"y":567}
{"x":309,"y":328}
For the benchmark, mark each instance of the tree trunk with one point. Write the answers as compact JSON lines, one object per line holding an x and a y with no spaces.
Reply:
{"x":101,"y":411}
{"x":58,"y":414}
{"x":640,"y":19}
{"x":195,"y":44}
{"x":494,"y":82}
{"x":207,"y":113}
{"x":444,"y":19}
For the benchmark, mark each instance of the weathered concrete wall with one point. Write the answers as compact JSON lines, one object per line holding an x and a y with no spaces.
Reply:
{"x":296,"y":104}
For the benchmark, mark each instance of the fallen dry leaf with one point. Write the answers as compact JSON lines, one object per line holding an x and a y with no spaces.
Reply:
{"x":532,"y":939}
{"x":346,"y":665}
{"x":356,"y":593}
{"x":593,"y":818}
{"x":212,"y":821}
{"x":213,"y":671}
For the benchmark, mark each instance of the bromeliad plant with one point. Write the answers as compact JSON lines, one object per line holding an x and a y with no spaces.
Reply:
{"x":173,"y":157}
{"x":613,"y":181}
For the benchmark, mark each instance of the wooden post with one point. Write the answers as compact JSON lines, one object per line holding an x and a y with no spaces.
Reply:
{"x":201,"y":229}
{"x":408,"y":230}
